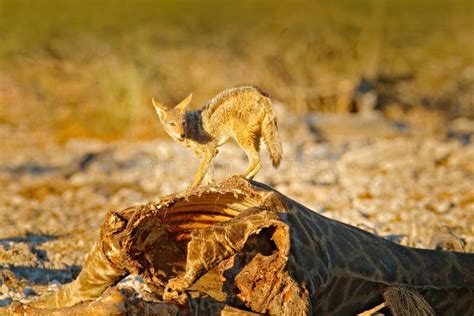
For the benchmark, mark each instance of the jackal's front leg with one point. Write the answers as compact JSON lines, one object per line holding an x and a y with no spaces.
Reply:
{"x":204,"y":166}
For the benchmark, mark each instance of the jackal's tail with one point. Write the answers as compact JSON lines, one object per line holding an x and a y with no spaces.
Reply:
{"x":270,"y":133}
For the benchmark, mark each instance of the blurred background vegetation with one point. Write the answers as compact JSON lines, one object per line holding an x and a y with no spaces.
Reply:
{"x":85,"y":68}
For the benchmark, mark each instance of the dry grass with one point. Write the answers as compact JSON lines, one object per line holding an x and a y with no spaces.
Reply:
{"x":88,"y":68}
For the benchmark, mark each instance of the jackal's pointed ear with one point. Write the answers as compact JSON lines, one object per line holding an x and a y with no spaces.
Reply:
{"x":159,"y":108}
{"x":184,"y":104}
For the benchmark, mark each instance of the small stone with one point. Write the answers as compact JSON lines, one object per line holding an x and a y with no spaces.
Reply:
{"x":28,"y":291}
{"x":4,"y":288}
{"x":6,"y":301}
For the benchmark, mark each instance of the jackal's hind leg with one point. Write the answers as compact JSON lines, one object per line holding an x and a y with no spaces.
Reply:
{"x":251,"y":146}
{"x":256,"y":165}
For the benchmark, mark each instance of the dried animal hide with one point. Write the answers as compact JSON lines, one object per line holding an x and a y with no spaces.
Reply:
{"x":241,"y":247}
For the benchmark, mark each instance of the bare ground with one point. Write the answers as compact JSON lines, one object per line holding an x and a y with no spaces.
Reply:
{"x":411,"y":183}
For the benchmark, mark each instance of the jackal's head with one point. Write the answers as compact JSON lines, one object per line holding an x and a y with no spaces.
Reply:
{"x":173,"y":118}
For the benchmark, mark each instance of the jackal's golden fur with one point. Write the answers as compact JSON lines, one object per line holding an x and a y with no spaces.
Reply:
{"x":244,"y":113}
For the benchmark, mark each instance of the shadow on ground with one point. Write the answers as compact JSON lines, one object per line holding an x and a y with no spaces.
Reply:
{"x":30,"y":238}
{"x":44,"y":276}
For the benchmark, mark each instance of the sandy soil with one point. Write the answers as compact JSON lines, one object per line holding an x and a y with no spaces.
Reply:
{"x":411,"y":183}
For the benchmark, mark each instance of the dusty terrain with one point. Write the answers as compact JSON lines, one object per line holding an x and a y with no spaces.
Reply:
{"x":78,"y":135}
{"x":411,"y":183}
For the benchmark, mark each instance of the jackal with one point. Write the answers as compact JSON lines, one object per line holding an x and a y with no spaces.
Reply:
{"x":244,"y":113}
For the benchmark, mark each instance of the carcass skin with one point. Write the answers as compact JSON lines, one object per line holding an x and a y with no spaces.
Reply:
{"x":240,"y":245}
